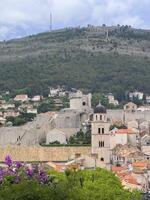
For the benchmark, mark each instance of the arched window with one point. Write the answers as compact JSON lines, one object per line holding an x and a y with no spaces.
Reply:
{"x":83,"y":103}
{"x":99,"y":130}
{"x":101,"y":143}
{"x":100,"y":117}
{"x":103,"y":131}
{"x":96,"y":117}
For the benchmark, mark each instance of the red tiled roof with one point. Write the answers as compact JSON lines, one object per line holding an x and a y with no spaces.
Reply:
{"x":139,"y":164}
{"x":125,"y":131}
{"x":130,"y":179}
{"x":118,"y":169}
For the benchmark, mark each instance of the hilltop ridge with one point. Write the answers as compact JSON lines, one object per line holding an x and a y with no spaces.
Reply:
{"x":90,"y":58}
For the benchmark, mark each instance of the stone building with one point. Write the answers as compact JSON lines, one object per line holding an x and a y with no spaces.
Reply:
{"x":130,"y":107}
{"x":56,"y":135}
{"x":81,"y":102}
{"x":101,"y":137}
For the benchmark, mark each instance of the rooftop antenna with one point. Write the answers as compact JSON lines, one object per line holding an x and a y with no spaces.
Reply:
{"x":51,"y":21}
{"x":107,"y":35}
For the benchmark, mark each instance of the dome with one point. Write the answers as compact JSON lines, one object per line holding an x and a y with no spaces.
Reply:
{"x":99,"y":109}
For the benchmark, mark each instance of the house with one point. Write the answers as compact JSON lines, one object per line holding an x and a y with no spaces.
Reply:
{"x":143,"y":108}
{"x":58,"y":102}
{"x":36,"y":98}
{"x":133,"y":124}
{"x":136,"y":94}
{"x":10,"y":113}
{"x":145,"y":140}
{"x":123,"y":136}
{"x":112,"y":99}
{"x":21,"y":97}
{"x":32,"y":110}
{"x":7,"y":106}
{"x":53,"y":92}
{"x":56,"y":135}
{"x":123,"y":154}
{"x":2,"y":121}
{"x":140,"y":165}
{"x":148,"y":99}
{"x":130,"y":107}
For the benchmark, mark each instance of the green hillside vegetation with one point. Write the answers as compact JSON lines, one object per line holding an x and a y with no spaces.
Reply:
{"x":82,"y":185}
{"x":81,"y":58}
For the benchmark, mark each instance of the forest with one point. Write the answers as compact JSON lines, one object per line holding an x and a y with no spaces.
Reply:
{"x":77,"y":58}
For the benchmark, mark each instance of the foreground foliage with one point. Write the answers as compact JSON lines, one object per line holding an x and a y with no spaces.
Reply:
{"x":19,"y":182}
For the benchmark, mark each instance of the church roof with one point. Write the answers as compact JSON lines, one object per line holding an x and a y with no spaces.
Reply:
{"x":99,"y":109}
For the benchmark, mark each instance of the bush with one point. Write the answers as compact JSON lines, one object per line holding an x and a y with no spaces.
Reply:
{"x":19,"y":182}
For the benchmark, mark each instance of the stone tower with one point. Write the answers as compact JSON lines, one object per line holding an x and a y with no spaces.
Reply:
{"x":101,"y":137}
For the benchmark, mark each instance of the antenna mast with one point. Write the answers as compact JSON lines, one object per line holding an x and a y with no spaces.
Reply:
{"x":51,"y":19}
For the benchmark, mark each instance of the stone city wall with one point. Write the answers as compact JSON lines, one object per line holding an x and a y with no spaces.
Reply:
{"x":43,"y":154}
{"x":115,"y":115}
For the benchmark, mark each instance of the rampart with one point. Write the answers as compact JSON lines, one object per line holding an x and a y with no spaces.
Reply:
{"x":42,"y":154}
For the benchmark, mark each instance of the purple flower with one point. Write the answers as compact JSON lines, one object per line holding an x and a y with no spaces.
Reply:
{"x":29,"y":172}
{"x":18,"y":165}
{"x":43,"y":176}
{"x":8,"y":161}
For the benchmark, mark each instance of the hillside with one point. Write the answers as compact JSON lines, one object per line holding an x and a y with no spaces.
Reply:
{"x":82,"y":58}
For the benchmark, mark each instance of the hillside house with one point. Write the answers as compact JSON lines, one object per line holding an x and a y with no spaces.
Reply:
{"x":32,"y":110}
{"x":37,"y":98}
{"x":130,"y":107}
{"x":112,"y":99}
{"x":7,"y":106}
{"x":21,"y":97}
{"x":136,"y":94}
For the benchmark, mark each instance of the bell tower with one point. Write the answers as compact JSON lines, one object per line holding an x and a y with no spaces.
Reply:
{"x":101,"y":137}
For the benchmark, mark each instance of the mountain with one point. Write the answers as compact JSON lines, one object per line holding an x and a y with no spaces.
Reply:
{"x":106,"y":59}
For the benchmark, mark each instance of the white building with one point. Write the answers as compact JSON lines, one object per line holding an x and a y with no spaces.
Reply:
{"x":136,"y":94}
{"x":123,"y":136}
{"x":32,"y":110}
{"x":21,"y":97}
{"x":36,"y":98}
{"x":112,"y":99}
{"x":7,"y":106}
{"x":53,"y":92}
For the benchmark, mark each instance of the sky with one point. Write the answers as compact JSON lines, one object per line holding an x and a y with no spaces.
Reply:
{"x":19,"y":18}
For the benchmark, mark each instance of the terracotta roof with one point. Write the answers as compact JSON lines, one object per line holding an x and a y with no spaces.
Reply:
{"x":118,"y":169}
{"x":130,"y":179}
{"x":139,"y":164}
{"x":125,"y":131}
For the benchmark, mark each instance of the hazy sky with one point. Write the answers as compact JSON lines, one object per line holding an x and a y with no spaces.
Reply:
{"x":19,"y":18}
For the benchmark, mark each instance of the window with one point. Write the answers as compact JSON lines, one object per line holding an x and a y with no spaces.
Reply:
{"x":96,"y":117}
{"x":83,"y":103}
{"x":100,"y":117}
{"x":102,"y":159}
{"x":103,"y":131}
{"x":99,"y":130}
{"x":101,"y":143}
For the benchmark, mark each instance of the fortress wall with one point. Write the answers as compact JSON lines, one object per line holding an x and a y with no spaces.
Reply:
{"x":43,"y":154}
{"x":116,"y":115}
